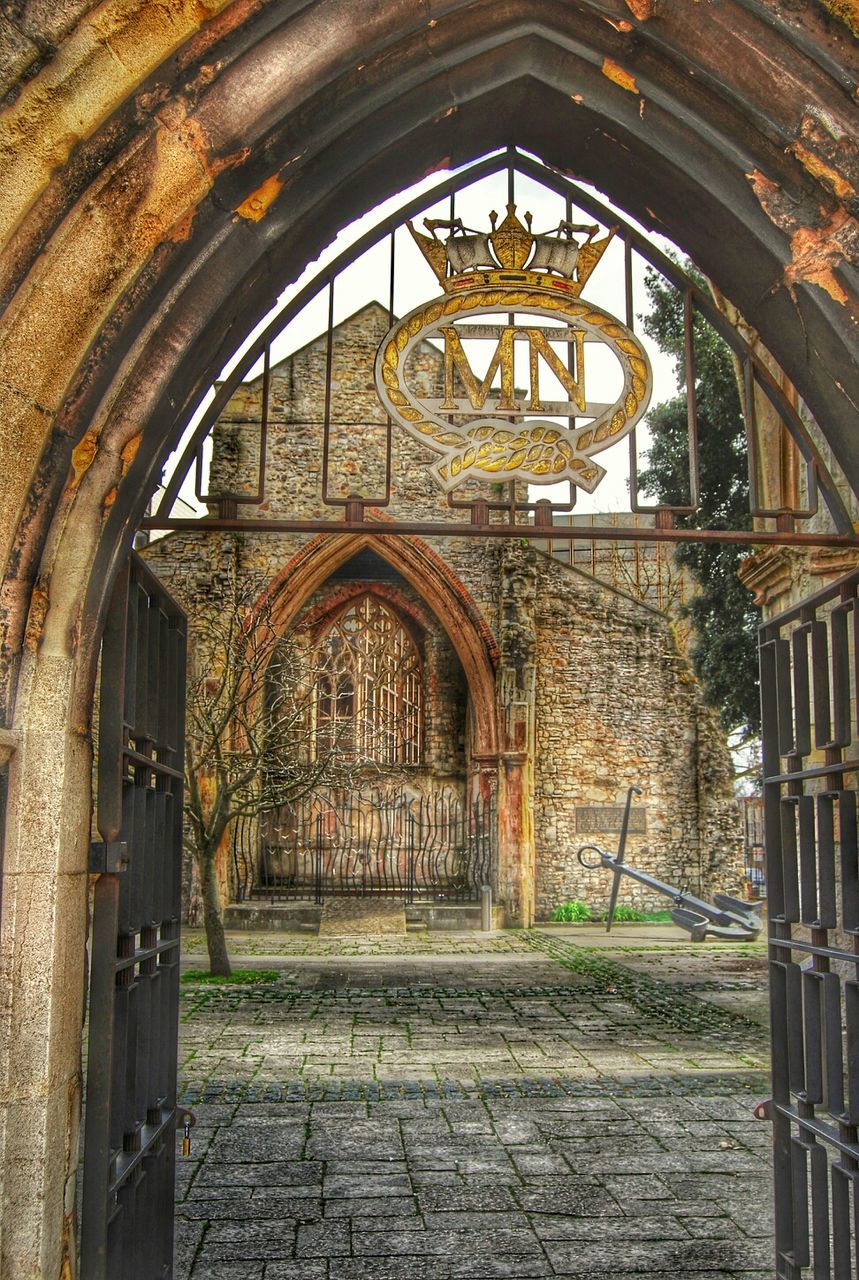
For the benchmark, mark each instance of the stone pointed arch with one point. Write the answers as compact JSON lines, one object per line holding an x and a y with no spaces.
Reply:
{"x":437,"y":585}
{"x":154,"y":206}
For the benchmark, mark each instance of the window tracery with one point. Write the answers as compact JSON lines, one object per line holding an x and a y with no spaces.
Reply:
{"x":369,"y":702}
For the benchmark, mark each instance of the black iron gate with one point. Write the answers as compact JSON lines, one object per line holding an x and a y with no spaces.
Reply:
{"x":129,"y":1136}
{"x":809,"y":667}
{"x":403,"y":844}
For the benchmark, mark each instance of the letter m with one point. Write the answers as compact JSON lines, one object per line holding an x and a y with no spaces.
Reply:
{"x":455,"y":359}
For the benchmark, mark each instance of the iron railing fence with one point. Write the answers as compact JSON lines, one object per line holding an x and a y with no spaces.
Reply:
{"x":412,"y":845}
{"x":809,"y":665}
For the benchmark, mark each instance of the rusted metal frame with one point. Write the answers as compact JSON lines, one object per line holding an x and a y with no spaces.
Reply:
{"x":326,"y":412}
{"x":482,"y":169}
{"x":242,"y":499}
{"x":389,"y":430}
{"x":566,"y":533}
{"x":663,"y":510}
{"x":711,"y":313}
{"x":509,"y":505}
{"x":844,"y":589}
{"x":571,"y":346}
{"x":562,"y":186}
{"x":756,"y":374}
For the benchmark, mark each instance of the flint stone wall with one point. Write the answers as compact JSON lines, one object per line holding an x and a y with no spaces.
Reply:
{"x":617,"y":703}
{"x":599,"y":677}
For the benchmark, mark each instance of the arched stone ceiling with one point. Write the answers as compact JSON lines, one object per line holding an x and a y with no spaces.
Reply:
{"x":168,"y":168}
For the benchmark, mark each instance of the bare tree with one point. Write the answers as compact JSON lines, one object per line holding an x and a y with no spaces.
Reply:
{"x":269,"y":722}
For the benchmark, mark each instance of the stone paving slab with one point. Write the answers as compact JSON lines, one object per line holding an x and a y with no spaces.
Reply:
{"x":548,"y":1111}
{"x":257,"y":944}
{"x":358,"y":916}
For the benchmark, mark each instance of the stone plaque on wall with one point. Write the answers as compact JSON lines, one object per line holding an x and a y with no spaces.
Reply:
{"x":595,"y":819}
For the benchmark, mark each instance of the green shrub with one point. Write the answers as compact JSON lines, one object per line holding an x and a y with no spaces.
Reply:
{"x":572,"y":912}
{"x":623,"y":912}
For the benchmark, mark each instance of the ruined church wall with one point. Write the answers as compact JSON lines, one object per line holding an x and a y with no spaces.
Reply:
{"x":616,"y":703}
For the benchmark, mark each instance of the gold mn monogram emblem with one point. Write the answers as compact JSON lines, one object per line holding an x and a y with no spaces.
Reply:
{"x":484,"y":426}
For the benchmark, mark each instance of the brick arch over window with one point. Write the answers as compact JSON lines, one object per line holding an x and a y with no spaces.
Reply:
{"x":437,"y":585}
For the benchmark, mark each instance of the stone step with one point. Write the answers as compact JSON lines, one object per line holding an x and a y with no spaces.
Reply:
{"x":348,"y":916}
{"x":297,"y":916}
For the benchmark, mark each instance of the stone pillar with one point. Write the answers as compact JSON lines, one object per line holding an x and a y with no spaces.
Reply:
{"x":516,"y":699}
{"x":42,"y":948}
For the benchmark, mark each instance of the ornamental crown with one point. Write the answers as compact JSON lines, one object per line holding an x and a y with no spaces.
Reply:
{"x":510,"y":251}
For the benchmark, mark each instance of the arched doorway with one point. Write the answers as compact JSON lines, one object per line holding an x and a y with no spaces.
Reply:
{"x":146,"y":267}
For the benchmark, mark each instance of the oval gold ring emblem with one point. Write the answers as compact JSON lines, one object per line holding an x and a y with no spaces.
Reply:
{"x":485,"y":427}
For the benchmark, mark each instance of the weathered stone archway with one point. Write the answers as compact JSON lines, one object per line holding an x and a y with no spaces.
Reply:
{"x":168,"y":168}
{"x":429,"y":575}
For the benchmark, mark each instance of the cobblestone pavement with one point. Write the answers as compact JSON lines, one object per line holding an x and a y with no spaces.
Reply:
{"x":508,"y":1105}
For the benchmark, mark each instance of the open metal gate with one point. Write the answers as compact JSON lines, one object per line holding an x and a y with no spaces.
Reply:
{"x":129,"y":1136}
{"x":809,"y":683}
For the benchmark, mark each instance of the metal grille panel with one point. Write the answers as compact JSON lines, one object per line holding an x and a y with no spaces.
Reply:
{"x":129,"y":1140}
{"x":415,"y":847}
{"x":811,"y":755}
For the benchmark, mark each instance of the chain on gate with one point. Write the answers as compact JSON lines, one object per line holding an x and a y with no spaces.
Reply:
{"x":809,"y":668}
{"x":131,"y":1114}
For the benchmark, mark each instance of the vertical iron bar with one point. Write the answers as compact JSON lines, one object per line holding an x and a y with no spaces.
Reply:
{"x":621,"y":853}
{"x":691,"y":396}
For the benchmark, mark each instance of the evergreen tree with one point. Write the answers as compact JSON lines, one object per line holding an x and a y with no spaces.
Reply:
{"x":723,"y":616}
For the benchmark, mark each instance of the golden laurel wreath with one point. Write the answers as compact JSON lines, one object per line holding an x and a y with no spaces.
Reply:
{"x":542,"y":451}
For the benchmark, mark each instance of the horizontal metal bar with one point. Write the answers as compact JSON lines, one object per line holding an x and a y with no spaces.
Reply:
{"x":145,"y":953}
{"x":107,"y":857}
{"x":542,"y":533}
{"x":137,"y":757}
{"x":808,"y":948}
{"x":811,"y":604}
{"x":818,"y":1128}
{"x":816,"y":771}
{"x":151,"y":1134}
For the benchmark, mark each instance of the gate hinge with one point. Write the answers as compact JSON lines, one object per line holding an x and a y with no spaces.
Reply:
{"x":107,"y":857}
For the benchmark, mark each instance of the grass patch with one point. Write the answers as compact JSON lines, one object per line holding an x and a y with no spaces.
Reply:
{"x":239,"y":978}
{"x":576,"y":912}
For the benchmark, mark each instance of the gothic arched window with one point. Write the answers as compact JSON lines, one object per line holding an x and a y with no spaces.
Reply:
{"x":369,"y":701}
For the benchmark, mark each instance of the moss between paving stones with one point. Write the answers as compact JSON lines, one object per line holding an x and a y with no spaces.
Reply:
{"x":665,"y":1002}
{"x":239,"y":978}
{"x":704,"y":1084}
